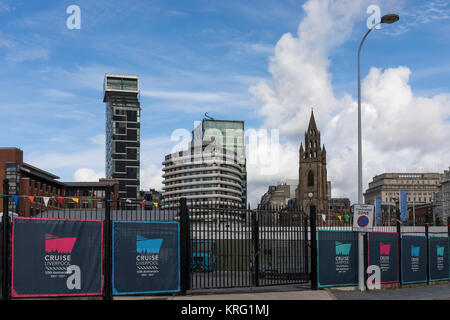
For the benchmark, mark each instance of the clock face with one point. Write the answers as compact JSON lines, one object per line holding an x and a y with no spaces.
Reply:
{"x":310,"y":194}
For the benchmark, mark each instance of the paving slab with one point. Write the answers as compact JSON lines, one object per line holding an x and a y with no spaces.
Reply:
{"x":431,"y":292}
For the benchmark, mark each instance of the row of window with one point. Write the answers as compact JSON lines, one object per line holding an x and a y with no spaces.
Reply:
{"x":416,"y":199}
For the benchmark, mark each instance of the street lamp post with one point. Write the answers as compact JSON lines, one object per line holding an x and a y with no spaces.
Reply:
{"x":388,"y":18}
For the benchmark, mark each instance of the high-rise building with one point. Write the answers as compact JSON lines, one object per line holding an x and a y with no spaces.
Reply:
{"x":228,"y":134}
{"x":203,"y":173}
{"x":121,"y":95}
{"x":313,"y":184}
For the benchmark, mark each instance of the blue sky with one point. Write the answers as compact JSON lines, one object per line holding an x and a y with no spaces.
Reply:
{"x":192,"y":57}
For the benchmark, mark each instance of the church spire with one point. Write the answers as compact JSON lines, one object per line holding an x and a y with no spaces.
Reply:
{"x":312,"y":121}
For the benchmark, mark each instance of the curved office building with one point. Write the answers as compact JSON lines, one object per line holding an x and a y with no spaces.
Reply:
{"x":202,"y":174}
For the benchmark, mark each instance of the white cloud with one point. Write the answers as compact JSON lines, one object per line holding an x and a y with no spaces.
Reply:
{"x":21,"y":55}
{"x":153,"y":151}
{"x":98,"y":139}
{"x":58,"y":94}
{"x":87,"y":174}
{"x":189,"y":96}
{"x":402,"y":131}
{"x":151,"y":177}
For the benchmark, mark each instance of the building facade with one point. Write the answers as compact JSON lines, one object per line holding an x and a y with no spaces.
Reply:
{"x":339,"y":205}
{"x":421,"y":187}
{"x":313,"y":184}
{"x":442,"y":203}
{"x":27,"y":180}
{"x":151,"y":197}
{"x":204,"y":172}
{"x":279,"y":195}
{"x":228,"y":134}
{"x":123,"y":111}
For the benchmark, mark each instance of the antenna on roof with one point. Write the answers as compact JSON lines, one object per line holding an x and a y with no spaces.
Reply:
{"x":207,"y":116}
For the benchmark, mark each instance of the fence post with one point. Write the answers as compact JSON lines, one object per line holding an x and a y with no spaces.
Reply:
{"x":428,"y":252}
{"x":305,"y":244}
{"x":366,"y":256}
{"x":5,"y":241}
{"x":185,"y":247}
{"x":399,"y":257}
{"x":313,"y":248}
{"x":107,"y":293}
{"x":255,"y":241}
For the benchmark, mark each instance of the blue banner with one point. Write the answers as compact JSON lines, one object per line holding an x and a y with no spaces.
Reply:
{"x":414,"y":259}
{"x":439,"y":264}
{"x":146,"y":257}
{"x":383,"y":252}
{"x":378,"y":213}
{"x":56,"y":257}
{"x":403,"y":205}
{"x":337,"y":258}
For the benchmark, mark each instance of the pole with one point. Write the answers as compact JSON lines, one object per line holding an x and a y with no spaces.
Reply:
{"x":399,"y":246}
{"x":107,"y":294}
{"x":312,"y":209}
{"x":427,"y":235}
{"x":390,"y":200}
{"x":185,"y":247}
{"x":361,"y":284}
{"x":414,"y":202}
{"x":255,"y":240}
{"x":5,"y":241}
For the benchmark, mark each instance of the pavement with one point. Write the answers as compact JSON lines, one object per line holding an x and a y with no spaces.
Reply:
{"x":422,"y":292}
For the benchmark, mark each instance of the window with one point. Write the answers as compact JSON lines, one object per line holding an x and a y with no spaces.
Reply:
{"x":310,"y":179}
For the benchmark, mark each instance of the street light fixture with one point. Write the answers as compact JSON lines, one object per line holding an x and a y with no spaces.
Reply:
{"x":389,"y":19}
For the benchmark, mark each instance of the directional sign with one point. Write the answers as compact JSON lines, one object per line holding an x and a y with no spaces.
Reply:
{"x":363,"y":217}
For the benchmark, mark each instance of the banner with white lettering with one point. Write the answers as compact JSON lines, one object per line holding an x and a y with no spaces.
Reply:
{"x":414,"y":259}
{"x":439,"y":264}
{"x":337,"y":258}
{"x":403,"y":205}
{"x":146,"y":257}
{"x":56,"y":257}
{"x":383,"y":252}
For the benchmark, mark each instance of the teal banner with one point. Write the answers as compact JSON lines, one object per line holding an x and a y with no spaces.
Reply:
{"x":337,"y":258}
{"x":414,"y":259}
{"x":438,"y":258}
{"x":146,"y":257}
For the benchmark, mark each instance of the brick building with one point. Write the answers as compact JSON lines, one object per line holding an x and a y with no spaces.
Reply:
{"x":27,"y":180}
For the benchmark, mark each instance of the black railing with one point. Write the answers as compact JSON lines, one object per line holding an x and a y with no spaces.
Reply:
{"x":239,"y":247}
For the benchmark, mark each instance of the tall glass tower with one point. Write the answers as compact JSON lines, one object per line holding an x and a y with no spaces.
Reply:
{"x":121,"y":95}
{"x":230,"y":135}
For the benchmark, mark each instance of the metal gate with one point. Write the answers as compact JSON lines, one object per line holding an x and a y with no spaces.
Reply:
{"x":237,"y":247}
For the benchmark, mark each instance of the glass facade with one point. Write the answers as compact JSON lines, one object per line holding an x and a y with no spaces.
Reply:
{"x":230,"y":135}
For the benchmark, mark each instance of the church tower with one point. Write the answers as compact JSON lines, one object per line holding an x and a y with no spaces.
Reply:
{"x":312,"y":171}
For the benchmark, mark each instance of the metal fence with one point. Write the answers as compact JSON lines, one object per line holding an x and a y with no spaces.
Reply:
{"x":226,"y":246}
{"x":388,"y":224}
{"x":220,"y":247}
{"x":238,"y":247}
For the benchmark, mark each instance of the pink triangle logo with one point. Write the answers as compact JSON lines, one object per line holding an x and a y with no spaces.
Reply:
{"x":59,"y":245}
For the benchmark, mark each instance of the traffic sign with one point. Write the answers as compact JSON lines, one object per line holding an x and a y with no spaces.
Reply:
{"x":363,"y":217}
